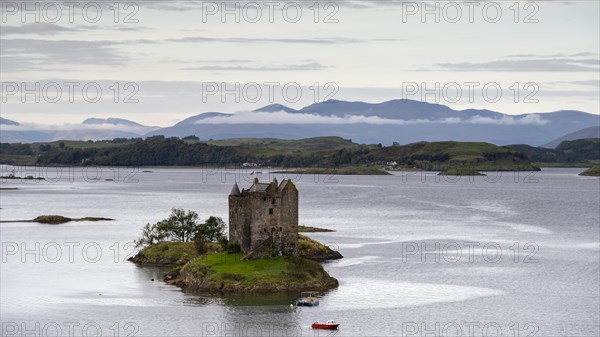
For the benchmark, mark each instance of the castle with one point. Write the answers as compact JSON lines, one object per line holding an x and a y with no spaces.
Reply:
{"x":264,"y":218}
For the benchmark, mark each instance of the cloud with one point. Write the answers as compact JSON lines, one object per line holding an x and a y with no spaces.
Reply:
{"x":177,"y":6}
{"x":293,"y":67}
{"x":38,"y":54}
{"x":282,"y":117}
{"x":187,"y":5}
{"x":46,"y":28}
{"x":530,"y":65}
{"x":23,"y":54}
{"x":531,"y":119}
{"x":40,"y":28}
{"x":76,"y":127}
{"x":592,"y":83}
{"x":207,"y":61}
{"x":581,"y":54}
{"x":316,"y":40}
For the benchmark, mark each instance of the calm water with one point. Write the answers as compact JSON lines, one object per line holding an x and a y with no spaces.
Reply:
{"x":515,"y":257}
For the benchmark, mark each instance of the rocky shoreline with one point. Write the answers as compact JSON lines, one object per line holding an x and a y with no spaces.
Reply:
{"x":199,"y":278}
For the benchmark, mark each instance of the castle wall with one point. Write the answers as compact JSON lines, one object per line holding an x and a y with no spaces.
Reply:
{"x":271,"y":215}
{"x":236,"y":218}
{"x":288,"y":219}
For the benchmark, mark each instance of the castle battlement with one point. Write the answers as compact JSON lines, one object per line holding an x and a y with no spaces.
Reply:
{"x":263,"y":219}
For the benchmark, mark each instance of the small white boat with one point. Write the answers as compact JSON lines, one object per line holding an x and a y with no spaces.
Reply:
{"x":308,"y":299}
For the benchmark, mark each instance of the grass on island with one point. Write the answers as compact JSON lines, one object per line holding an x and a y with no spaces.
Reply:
{"x":307,"y":245}
{"x":591,"y":172}
{"x":310,"y":229}
{"x":169,"y":252}
{"x":216,"y":270}
{"x":316,"y":251}
{"x":184,"y":251}
{"x":229,"y":269}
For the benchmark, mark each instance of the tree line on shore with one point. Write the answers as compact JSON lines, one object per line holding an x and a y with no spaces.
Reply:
{"x":163,"y":151}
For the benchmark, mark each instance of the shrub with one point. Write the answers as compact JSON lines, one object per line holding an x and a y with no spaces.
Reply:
{"x":200,"y":244}
{"x":223,"y":242}
{"x":233,"y":247}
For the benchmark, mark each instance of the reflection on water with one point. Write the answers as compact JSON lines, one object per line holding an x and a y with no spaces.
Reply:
{"x":244,"y":300}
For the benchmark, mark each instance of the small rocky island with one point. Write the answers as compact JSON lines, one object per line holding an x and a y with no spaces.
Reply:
{"x":593,"y":171}
{"x":59,"y":219}
{"x":263,"y":252}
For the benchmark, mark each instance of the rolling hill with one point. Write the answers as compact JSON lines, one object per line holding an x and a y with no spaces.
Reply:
{"x":591,"y":132}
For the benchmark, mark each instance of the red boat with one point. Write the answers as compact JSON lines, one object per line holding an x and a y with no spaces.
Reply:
{"x":330,"y":325}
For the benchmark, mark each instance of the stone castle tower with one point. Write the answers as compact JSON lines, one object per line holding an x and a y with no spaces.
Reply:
{"x":264,"y":218}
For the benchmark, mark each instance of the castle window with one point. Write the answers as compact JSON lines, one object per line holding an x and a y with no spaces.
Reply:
{"x":270,"y":211}
{"x":280,"y":228}
{"x":273,"y":201}
{"x":265,"y":199}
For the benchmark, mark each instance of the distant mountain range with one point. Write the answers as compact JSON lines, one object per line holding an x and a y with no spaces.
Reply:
{"x":591,"y":132}
{"x":402,"y":121}
{"x":89,"y":129}
{"x":111,"y":121}
{"x":4,"y":121}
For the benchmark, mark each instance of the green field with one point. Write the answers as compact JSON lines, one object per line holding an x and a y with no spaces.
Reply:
{"x":171,"y":250}
{"x":273,"y":145}
{"x":228,"y":269}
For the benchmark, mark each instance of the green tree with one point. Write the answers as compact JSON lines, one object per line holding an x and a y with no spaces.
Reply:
{"x":212,"y":229}
{"x":151,"y":234}
{"x":180,"y":225}
{"x":183,"y":226}
{"x":44,"y":147}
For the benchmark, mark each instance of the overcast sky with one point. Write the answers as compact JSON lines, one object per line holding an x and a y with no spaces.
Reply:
{"x":165,"y":61}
